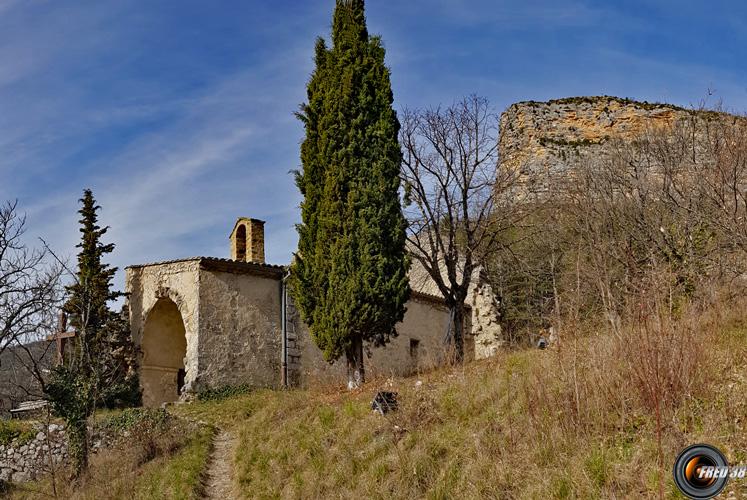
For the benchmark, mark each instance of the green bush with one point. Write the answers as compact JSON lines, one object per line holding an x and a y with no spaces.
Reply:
{"x":225,"y":392}
{"x":13,"y":430}
{"x":123,"y":394}
{"x":132,"y":418}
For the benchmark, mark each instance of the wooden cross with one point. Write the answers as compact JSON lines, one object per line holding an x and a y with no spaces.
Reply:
{"x":61,"y":336}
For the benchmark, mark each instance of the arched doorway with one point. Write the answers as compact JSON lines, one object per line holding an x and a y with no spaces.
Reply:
{"x":164,"y":347}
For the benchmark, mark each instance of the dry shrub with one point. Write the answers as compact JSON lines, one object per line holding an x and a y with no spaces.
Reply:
{"x":617,"y":385}
{"x":143,"y":434}
{"x":663,"y":353}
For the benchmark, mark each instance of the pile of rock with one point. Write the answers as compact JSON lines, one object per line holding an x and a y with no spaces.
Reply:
{"x":24,"y":460}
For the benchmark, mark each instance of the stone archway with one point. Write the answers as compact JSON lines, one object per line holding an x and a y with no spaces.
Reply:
{"x":164,"y":347}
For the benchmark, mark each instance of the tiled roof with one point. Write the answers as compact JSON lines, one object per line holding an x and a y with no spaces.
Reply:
{"x":249,"y":267}
{"x":215,"y":260}
{"x":160,"y":263}
{"x":415,"y":294}
{"x":260,"y":264}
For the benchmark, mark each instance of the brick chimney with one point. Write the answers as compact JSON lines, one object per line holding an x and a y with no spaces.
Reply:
{"x":248,"y":240}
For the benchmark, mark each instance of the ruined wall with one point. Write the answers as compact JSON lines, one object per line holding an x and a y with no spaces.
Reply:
{"x":418,"y":346}
{"x":484,"y":305}
{"x":25,"y":460}
{"x":177,"y":281}
{"x":240,"y":336}
{"x":487,"y":333}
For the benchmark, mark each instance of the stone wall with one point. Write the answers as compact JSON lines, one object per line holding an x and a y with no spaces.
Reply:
{"x":298,"y":341}
{"x":240,"y":338}
{"x":24,"y":461}
{"x":175,"y":281}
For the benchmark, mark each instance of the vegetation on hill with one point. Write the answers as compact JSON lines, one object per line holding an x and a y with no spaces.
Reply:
{"x":576,"y":421}
{"x":625,"y":101}
{"x":18,"y":430}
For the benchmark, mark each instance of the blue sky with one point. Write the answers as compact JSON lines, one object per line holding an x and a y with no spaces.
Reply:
{"x":179,"y":113}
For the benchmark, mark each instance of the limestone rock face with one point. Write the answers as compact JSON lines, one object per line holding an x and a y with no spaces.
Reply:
{"x":542,"y":139}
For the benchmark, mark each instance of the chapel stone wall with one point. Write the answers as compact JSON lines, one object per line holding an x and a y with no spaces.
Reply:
{"x":176,"y":281}
{"x":240,"y":339}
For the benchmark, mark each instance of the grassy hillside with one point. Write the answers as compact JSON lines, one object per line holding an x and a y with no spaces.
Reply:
{"x":577,"y":421}
{"x":573,"y":422}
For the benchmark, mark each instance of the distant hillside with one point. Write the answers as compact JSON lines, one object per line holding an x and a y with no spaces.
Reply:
{"x":17,"y":384}
{"x":547,"y":138}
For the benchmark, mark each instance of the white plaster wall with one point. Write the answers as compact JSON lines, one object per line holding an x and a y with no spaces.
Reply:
{"x":424,"y":321}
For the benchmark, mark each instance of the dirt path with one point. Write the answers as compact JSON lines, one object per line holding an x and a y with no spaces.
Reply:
{"x":220,"y":468}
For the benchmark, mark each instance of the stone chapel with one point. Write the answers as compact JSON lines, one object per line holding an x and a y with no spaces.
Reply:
{"x":207,"y":322}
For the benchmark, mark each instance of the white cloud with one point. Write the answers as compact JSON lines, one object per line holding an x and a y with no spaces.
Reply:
{"x":173,"y":188}
{"x":228,"y":154}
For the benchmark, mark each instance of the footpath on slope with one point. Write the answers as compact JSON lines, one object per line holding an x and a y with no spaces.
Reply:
{"x":219,"y":480}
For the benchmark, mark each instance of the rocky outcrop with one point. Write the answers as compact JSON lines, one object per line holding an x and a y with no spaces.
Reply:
{"x":544,"y":139}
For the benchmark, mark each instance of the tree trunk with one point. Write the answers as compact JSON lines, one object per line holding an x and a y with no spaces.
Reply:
{"x":77,"y":434}
{"x":456,"y":335}
{"x":354,"y":355}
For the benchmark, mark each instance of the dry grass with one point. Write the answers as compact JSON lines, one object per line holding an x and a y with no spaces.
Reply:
{"x":574,"y":422}
{"x":602,"y":416}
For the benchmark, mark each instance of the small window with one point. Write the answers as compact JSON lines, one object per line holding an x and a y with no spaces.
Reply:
{"x":414,"y":345}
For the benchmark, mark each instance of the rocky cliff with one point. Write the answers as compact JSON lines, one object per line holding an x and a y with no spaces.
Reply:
{"x":544,"y":138}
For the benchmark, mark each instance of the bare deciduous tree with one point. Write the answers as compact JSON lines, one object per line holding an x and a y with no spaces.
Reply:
{"x":458,"y":197}
{"x":713,"y":171}
{"x":29,"y":296}
{"x":29,"y":286}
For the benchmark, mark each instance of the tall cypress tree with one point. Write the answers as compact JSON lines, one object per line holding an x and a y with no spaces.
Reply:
{"x":350,"y":273}
{"x":100,"y":367}
{"x":89,"y":296}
